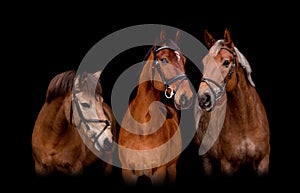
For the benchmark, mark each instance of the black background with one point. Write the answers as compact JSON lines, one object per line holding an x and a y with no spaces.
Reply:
{"x":45,"y":43}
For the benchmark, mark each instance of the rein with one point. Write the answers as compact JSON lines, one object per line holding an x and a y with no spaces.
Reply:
{"x":218,"y":95}
{"x":166,"y":82}
{"x":86,"y":121}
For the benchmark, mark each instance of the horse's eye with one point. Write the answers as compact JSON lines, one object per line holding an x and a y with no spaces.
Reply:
{"x":226,"y":63}
{"x":85,"y":104}
{"x":164,"y":60}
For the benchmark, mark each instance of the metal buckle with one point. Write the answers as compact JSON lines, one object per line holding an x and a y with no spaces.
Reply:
{"x":171,"y":92}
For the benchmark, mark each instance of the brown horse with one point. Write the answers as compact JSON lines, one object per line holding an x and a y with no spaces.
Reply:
{"x":232,"y":125}
{"x":149,"y":139}
{"x":72,"y":117}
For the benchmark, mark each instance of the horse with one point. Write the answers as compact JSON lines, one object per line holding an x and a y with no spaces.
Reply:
{"x":149,"y":138}
{"x":73,"y":116}
{"x":232,"y":127}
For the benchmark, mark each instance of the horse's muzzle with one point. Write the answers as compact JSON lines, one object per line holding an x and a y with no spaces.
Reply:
{"x":205,"y":101}
{"x":185,"y":102}
{"x":107,"y":145}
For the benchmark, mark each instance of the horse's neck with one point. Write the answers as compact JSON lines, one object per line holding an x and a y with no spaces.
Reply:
{"x":243,"y":100}
{"x":145,"y":96}
{"x":54,"y":119}
{"x":147,"y":113}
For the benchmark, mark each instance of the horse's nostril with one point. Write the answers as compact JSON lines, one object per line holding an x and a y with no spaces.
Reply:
{"x":183,"y":100}
{"x":107,"y":145}
{"x":204,"y":99}
{"x":207,"y":97}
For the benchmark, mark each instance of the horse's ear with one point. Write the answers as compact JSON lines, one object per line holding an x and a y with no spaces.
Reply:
{"x":227,"y":39}
{"x":80,"y":79}
{"x":97,"y":74}
{"x":162,"y":36}
{"x":177,"y":37}
{"x":83,"y":76}
{"x":208,"y":38}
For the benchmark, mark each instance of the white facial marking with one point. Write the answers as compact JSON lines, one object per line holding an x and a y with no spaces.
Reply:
{"x":178,"y":55}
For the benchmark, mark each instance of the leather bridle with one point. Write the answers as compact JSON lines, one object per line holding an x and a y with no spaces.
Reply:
{"x":220,"y":93}
{"x":86,"y":121}
{"x":167,"y":82}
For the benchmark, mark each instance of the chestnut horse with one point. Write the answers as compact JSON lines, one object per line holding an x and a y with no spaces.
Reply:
{"x":72,"y":116}
{"x":232,"y":125}
{"x":149,"y":139}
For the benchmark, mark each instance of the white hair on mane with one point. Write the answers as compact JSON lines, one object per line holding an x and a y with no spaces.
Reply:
{"x":214,"y":50}
{"x":245,"y":64}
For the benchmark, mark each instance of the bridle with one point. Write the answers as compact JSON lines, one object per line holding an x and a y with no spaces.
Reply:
{"x":86,"y":121}
{"x":221,"y":91}
{"x":166,"y":82}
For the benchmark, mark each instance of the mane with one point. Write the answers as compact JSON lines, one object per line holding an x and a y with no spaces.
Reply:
{"x":60,"y":85}
{"x":63,"y":83}
{"x":214,"y":50}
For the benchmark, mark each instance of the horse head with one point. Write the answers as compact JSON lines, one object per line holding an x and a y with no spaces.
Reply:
{"x":88,"y":112}
{"x":168,"y":71}
{"x":219,"y":70}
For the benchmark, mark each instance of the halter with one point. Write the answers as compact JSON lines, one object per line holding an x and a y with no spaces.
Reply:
{"x":87,"y":121}
{"x":166,"y":82}
{"x":220,"y":93}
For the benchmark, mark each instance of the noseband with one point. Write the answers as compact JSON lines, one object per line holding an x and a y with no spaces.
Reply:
{"x":86,"y":121}
{"x":221,"y":92}
{"x":166,"y":82}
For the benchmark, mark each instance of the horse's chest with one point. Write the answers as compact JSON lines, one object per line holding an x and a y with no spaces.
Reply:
{"x":144,"y":152}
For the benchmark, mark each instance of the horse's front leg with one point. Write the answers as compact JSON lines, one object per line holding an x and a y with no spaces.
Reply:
{"x":107,"y":164}
{"x":207,"y":165}
{"x":42,"y":170}
{"x":107,"y":169}
{"x":43,"y":163}
{"x":129,"y":178}
{"x":227,"y":168}
{"x":172,"y":174}
{"x":76,"y":169}
{"x":159,"y":176}
{"x":263,"y":166}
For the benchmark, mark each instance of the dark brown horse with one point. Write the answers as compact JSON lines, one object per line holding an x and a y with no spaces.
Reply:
{"x":72,"y":117}
{"x":232,"y":125}
{"x":149,"y":139}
